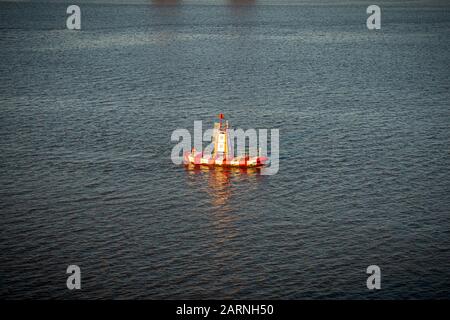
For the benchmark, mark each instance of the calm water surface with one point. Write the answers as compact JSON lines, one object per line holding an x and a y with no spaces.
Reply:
{"x":86,"y":176}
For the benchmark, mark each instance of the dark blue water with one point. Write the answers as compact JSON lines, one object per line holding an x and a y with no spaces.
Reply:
{"x":86,"y":175}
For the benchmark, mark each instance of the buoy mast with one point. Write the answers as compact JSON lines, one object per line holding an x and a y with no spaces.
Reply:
{"x":223,"y":146}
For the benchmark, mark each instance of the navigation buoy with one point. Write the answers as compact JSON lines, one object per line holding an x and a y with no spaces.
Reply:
{"x":223,"y":153}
